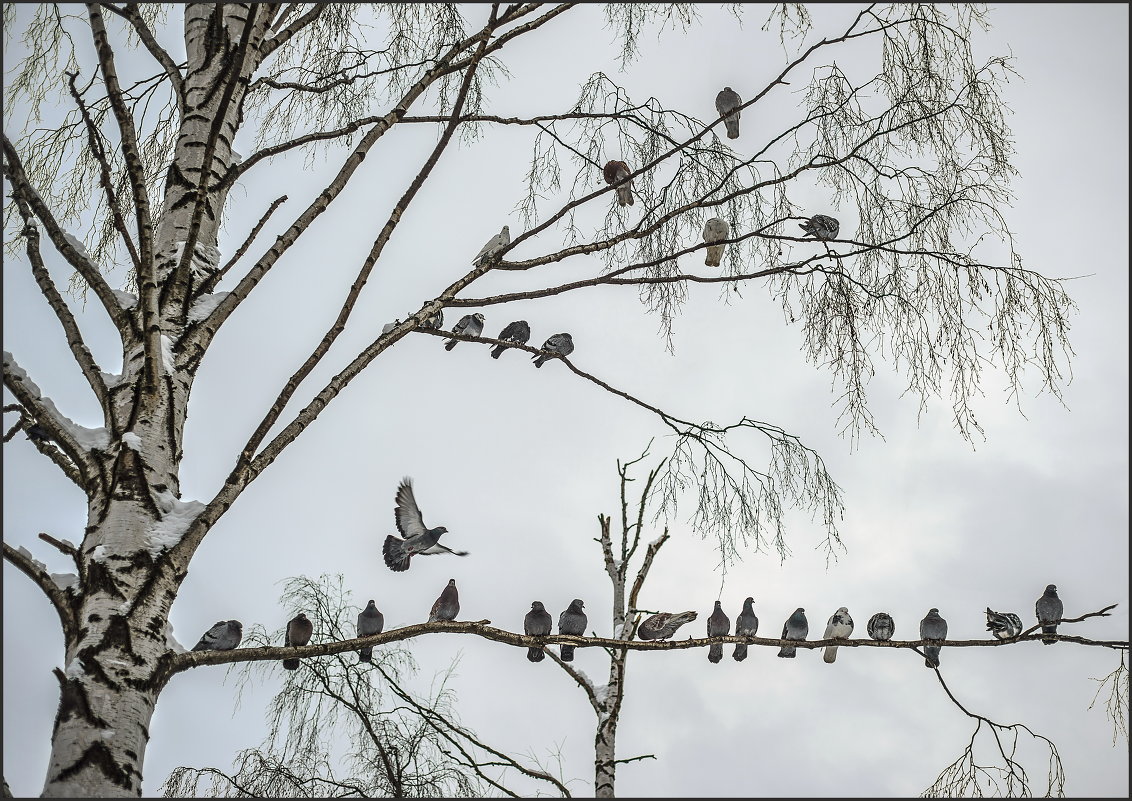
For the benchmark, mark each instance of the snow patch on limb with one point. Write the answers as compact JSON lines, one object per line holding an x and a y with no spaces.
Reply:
{"x":171,"y":641}
{"x":65,"y":581}
{"x":132,"y":441}
{"x":77,"y":244}
{"x":75,"y":668}
{"x":585,"y":680}
{"x":99,"y":554}
{"x":27,"y":554}
{"x":110,"y":379}
{"x":601,"y":693}
{"x":176,"y":519}
{"x":166,"y":353}
{"x":86,"y":438}
{"x":205,"y":306}
{"x":127,"y":299}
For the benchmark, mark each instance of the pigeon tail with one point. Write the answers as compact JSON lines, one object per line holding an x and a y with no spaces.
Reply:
{"x":290,"y":664}
{"x":932,"y":656}
{"x":365,"y":654}
{"x":539,"y":360}
{"x":497,"y":351}
{"x":787,"y":651}
{"x":732,"y":128}
{"x":535,"y":654}
{"x":830,"y":655}
{"x":713,"y":256}
{"x":624,"y":196}
{"x":567,"y":653}
{"x":395,"y":554}
{"x":450,"y":344}
{"x":740,"y":651}
{"x":715,"y":653}
{"x":1049,"y":630}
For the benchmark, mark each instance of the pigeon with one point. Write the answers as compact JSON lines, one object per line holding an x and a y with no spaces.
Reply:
{"x":881,"y":626}
{"x":572,"y":621}
{"x":839,"y":626}
{"x":821,"y":226}
{"x":299,"y":630}
{"x":370,"y":621}
{"x":663,"y":625}
{"x":385,"y":329}
{"x":470,"y":324}
{"x":932,"y":627}
{"x":616,"y":171}
{"x":537,"y":624}
{"x":435,"y":322}
{"x":518,"y":332}
{"x":715,"y":229}
{"x":223,"y":636}
{"x":1003,"y":625}
{"x":746,"y":625}
{"x":447,"y":606}
{"x":718,"y":625}
{"x":493,"y":246}
{"x":728,"y":102}
{"x":419,"y":539}
{"x":557,"y":343}
{"x":1049,"y":610}
{"x":37,"y":433}
{"x":796,"y":627}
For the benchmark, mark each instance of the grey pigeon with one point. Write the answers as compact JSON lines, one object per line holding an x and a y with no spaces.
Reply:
{"x":436,"y":322}
{"x":299,"y":631}
{"x":518,"y":332}
{"x":839,"y":626}
{"x":715,"y":229}
{"x":932,"y":627}
{"x":572,"y":621}
{"x":493,"y":246}
{"x":370,"y":621}
{"x":718,"y":625}
{"x":37,"y":433}
{"x":1003,"y":625}
{"x":615,"y":171}
{"x":728,"y":102}
{"x":223,"y":636}
{"x":821,"y":226}
{"x":470,"y":324}
{"x":447,"y":606}
{"x":1049,"y":610}
{"x":663,"y":625}
{"x":537,"y":623}
{"x":419,"y":539}
{"x":746,"y":625}
{"x":881,"y":626}
{"x":556,"y":344}
{"x":796,"y":627}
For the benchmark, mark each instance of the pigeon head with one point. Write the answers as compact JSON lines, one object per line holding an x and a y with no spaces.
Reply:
{"x":479,"y":317}
{"x":536,"y":606}
{"x":933,"y":611}
{"x":301,"y":616}
{"x":451,"y":582}
{"x":1051,"y":589}
{"x":440,"y":530}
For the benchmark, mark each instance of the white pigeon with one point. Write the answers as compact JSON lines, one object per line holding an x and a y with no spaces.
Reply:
{"x":470,"y":324}
{"x":840,"y":626}
{"x":715,"y":229}
{"x":493,"y":246}
{"x":728,"y":102}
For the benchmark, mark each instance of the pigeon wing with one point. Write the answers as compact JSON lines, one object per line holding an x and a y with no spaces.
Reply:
{"x":406,"y":513}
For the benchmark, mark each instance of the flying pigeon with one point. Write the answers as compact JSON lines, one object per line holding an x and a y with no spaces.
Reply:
{"x":718,"y":625}
{"x":933,"y":627}
{"x":493,"y":246}
{"x":518,"y":332}
{"x":572,"y":621}
{"x":821,"y":226}
{"x":470,"y":324}
{"x":419,"y":539}
{"x":299,"y":630}
{"x":796,"y":627}
{"x":37,"y":433}
{"x":1049,"y":610}
{"x":557,"y":343}
{"x":370,"y":621}
{"x":537,"y":624}
{"x":1003,"y":625}
{"x":447,"y":606}
{"x":616,"y":171}
{"x":839,"y":626}
{"x":435,"y":322}
{"x":715,"y":229}
{"x":223,"y":636}
{"x":881,"y":626}
{"x":746,"y":625}
{"x":663,"y":625}
{"x":728,"y":102}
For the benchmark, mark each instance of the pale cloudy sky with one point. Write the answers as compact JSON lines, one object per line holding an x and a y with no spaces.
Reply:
{"x":517,"y":463}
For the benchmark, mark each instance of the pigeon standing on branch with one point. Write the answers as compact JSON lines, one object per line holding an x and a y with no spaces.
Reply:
{"x":728,"y":102}
{"x":715,"y":229}
{"x":493,"y":246}
{"x":436,"y":322}
{"x":1049,"y":610}
{"x":881,"y":627}
{"x":370,"y":621}
{"x":663,"y":625}
{"x":821,"y":226}
{"x":1003,"y":625}
{"x":419,"y":539}
{"x":560,"y":344}
{"x":447,"y":606}
{"x":796,"y":627}
{"x":933,"y":627}
{"x":536,"y":624}
{"x":572,"y":621}
{"x":518,"y":332}
{"x":839,"y":626}
{"x":223,"y":636}
{"x":718,"y":625}
{"x":470,"y":325}
{"x":616,"y":171}
{"x":746,"y":625}
{"x":299,"y":631}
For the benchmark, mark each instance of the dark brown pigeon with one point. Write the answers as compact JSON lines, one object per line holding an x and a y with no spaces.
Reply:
{"x":447,"y":606}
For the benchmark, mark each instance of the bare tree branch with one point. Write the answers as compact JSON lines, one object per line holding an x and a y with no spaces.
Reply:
{"x":37,"y":572}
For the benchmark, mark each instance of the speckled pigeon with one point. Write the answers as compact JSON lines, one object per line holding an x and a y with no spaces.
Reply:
{"x":447,"y":606}
{"x":223,"y":636}
{"x":718,"y":625}
{"x":493,"y":246}
{"x":1003,"y":625}
{"x":616,"y":171}
{"x":715,"y":229}
{"x":796,"y":627}
{"x":1049,"y":610}
{"x":537,"y":623}
{"x":572,"y":621}
{"x":419,"y":539}
{"x":299,"y":630}
{"x":728,"y":102}
{"x":821,"y":226}
{"x":470,"y":324}
{"x":557,"y":343}
{"x":518,"y":332}
{"x":663,"y":625}
{"x":932,"y":627}
{"x":746,"y":625}
{"x":839,"y":626}
{"x":370,"y":621}
{"x":436,"y":322}
{"x":881,"y":626}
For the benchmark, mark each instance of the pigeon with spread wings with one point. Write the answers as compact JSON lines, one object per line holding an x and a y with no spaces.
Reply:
{"x":418,"y":538}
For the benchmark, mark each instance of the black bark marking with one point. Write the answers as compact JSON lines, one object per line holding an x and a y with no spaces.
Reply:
{"x":99,"y":757}
{"x":73,"y":703}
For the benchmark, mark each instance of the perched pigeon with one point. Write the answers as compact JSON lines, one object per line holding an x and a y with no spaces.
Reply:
{"x":447,"y":606}
{"x":557,"y":343}
{"x":746,"y":625}
{"x":881,"y":626}
{"x":299,"y":630}
{"x":223,"y":636}
{"x":718,"y":625}
{"x":616,"y":171}
{"x":419,"y":539}
{"x":1049,"y":610}
{"x":839,"y":626}
{"x":493,"y":246}
{"x":728,"y":102}
{"x":1003,"y":625}
{"x":715,"y":229}
{"x":572,"y":621}
{"x":385,"y":329}
{"x":37,"y":433}
{"x":470,"y":324}
{"x":537,"y":623}
{"x":796,"y":627}
{"x":821,"y":226}
{"x":370,"y":621}
{"x":518,"y":332}
{"x":933,"y":627}
{"x":436,"y":322}
{"x":663,"y":625}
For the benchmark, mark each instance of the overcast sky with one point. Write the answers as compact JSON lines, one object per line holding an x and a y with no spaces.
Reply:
{"x":518,"y":462}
